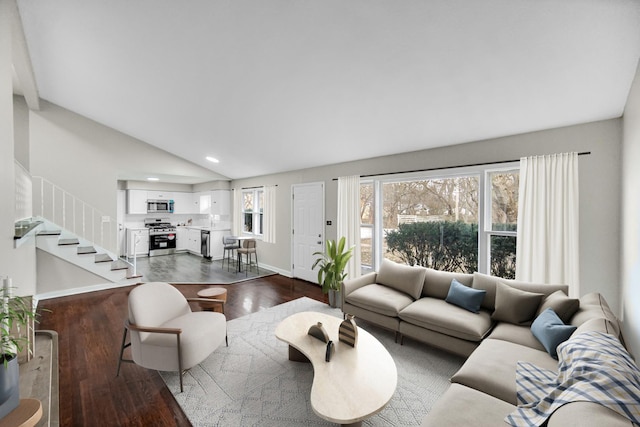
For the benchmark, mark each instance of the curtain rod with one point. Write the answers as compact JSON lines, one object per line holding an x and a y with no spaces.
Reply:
{"x":583,"y":153}
{"x":257,"y":186}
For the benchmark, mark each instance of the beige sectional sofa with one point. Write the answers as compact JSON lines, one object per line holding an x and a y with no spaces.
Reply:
{"x":412,"y":301}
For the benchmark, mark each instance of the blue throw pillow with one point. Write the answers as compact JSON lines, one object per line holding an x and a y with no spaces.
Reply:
{"x":465,"y":297}
{"x":549,"y":329}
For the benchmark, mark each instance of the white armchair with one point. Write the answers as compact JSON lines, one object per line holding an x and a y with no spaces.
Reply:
{"x":165,"y":334}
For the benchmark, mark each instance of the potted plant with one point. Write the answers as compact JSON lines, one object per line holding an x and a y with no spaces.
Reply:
{"x":16,"y":313}
{"x":332,"y":263}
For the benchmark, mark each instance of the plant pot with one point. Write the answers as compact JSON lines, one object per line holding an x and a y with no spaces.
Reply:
{"x":9,"y":386}
{"x":335,"y":300}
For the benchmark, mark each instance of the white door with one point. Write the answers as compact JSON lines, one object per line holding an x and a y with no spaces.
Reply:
{"x":308,"y":229}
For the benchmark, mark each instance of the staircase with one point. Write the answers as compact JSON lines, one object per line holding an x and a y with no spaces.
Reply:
{"x":84,"y":254}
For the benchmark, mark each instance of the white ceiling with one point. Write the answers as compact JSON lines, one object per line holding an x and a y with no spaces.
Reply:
{"x":269,"y":86}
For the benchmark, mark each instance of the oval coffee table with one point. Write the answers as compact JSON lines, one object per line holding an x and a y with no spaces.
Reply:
{"x":357,"y":382}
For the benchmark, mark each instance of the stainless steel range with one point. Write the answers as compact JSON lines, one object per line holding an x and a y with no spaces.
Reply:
{"x":162,"y":236}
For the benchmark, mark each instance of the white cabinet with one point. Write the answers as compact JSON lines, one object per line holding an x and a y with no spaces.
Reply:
{"x":159,"y":195}
{"x":136,"y":201}
{"x":183,"y":203}
{"x":193,"y":240}
{"x":221,"y":202}
{"x":182,"y":239}
{"x":216,"y":247}
{"x":204,"y":202}
{"x":137,"y":242}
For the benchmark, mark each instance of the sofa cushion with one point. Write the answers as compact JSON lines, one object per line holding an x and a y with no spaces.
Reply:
{"x":514,"y":305}
{"x":561,"y":304}
{"x":464,"y":406}
{"x":440,"y":316}
{"x":488,"y":283}
{"x":491,"y":368}
{"x":404,"y":278}
{"x":516,"y":334}
{"x":465,"y":297}
{"x":551,"y":331}
{"x":380,"y":299}
{"x":437,"y":283}
{"x":594,"y":306}
{"x":598,"y":324}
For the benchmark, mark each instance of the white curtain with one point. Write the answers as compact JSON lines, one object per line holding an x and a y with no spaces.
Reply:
{"x":547,"y":249}
{"x":237,"y":212}
{"x":349,"y":220}
{"x":269,"y":212}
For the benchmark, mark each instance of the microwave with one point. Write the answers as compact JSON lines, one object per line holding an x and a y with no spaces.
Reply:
{"x":159,"y":206}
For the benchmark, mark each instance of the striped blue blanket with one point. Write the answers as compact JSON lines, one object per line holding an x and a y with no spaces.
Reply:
{"x":593,"y":367}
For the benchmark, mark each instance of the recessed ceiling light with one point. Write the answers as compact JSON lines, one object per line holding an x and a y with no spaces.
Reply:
{"x":153,"y":179}
{"x":212,"y":159}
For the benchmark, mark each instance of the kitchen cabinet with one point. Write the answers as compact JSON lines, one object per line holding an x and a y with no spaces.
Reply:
{"x":221,"y":202}
{"x":159,"y":195}
{"x":136,"y":201}
{"x":137,"y":242}
{"x":182,"y":238}
{"x":216,"y":247}
{"x":204,"y":202}
{"x":193,"y":240}
{"x":183,"y":203}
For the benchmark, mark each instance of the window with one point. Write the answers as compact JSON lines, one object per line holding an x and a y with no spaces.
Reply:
{"x":501,"y":222}
{"x":252,"y":203}
{"x":433,"y":220}
{"x":367,"y":212}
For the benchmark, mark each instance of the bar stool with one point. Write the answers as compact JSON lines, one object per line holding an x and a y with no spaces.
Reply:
{"x":248,"y":248}
{"x":229,"y":244}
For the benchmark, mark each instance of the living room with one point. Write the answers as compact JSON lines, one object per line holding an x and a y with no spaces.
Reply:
{"x":85,"y":157}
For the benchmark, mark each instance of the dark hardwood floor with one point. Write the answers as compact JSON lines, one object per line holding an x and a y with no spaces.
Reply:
{"x":90,"y":330}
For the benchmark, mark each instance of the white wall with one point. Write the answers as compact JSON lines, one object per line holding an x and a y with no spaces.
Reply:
{"x":18,"y":263}
{"x":84,"y":157}
{"x":599,"y":191}
{"x":630,"y":264}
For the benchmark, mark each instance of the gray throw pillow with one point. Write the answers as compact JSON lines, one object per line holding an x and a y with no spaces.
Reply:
{"x":515,"y":306}
{"x":561,"y":304}
{"x":402,"y":277}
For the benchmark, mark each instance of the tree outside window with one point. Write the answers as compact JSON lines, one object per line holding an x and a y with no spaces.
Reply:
{"x":252,"y":211}
{"x":435,"y":221}
{"x":502,"y":227}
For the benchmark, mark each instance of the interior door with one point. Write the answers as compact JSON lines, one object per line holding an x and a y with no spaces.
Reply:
{"x":308,"y":229}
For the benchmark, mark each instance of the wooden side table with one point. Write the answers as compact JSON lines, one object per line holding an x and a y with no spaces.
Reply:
{"x":27,"y":414}
{"x":212,"y":293}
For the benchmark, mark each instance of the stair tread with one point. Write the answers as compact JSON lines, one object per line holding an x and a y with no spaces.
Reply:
{"x":83,"y":250}
{"x":69,"y":241}
{"x":119,"y":265}
{"x":49,"y":233}
{"x":130,"y":274}
{"x":103,"y":258}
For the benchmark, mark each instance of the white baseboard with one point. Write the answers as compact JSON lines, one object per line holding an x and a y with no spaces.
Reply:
{"x":82,"y":290}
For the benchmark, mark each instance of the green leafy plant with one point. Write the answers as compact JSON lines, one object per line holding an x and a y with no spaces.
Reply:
{"x":332,"y":263}
{"x":15,"y":314}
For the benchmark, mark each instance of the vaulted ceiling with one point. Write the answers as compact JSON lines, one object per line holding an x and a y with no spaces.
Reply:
{"x":268,"y":86}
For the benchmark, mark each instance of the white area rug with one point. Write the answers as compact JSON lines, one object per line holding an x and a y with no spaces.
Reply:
{"x":253,"y":383}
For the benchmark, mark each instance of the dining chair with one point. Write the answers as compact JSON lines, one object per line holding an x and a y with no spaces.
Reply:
{"x":248,"y":248}
{"x":165,"y":334}
{"x":230,"y":244}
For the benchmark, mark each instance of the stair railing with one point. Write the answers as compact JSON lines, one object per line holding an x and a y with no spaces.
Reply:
{"x":57,"y":205}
